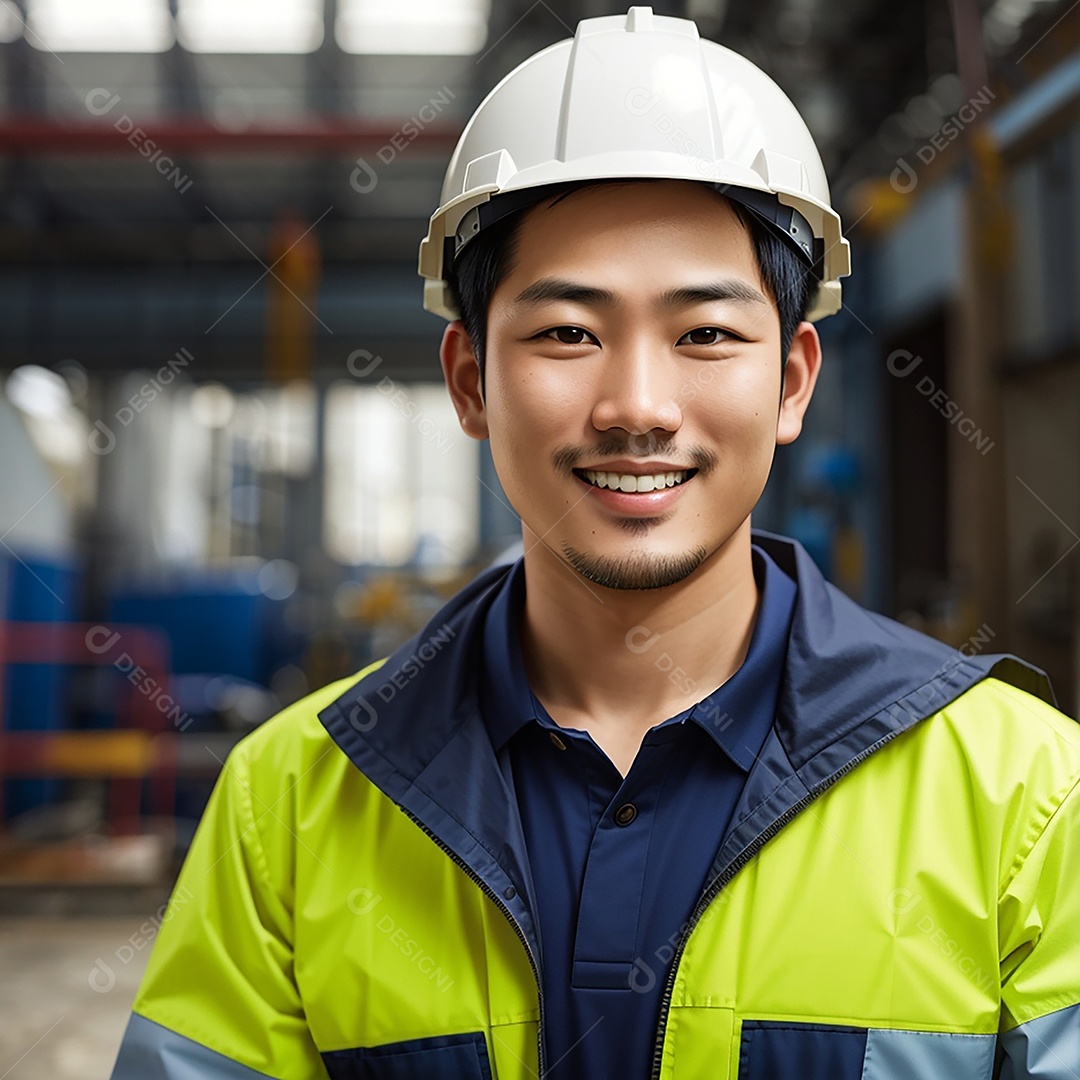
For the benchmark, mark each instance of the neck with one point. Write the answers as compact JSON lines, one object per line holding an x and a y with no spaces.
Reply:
{"x":632,"y":658}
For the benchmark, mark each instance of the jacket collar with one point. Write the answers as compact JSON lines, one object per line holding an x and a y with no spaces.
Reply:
{"x":508,"y":703}
{"x":853,"y":678}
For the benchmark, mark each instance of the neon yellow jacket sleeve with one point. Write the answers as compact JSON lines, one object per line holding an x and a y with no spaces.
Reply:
{"x":219,"y":990}
{"x":1040,"y":945}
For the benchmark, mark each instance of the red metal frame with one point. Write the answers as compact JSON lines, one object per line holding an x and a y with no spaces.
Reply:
{"x":43,"y":136}
{"x":66,"y":643}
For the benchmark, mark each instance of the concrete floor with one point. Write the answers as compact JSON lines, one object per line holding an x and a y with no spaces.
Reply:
{"x":66,"y":987}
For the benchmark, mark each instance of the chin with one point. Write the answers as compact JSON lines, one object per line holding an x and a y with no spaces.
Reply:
{"x":635,"y":570}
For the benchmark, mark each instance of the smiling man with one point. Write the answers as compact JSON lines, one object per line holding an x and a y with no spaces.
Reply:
{"x":634,"y":396}
{"x":653,"y":800}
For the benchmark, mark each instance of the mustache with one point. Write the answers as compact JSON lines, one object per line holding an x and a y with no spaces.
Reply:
{"x":567,"y":458}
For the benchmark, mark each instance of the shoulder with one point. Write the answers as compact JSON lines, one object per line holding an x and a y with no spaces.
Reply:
{"x":996,"y":711}
{"x":1005,"y":751}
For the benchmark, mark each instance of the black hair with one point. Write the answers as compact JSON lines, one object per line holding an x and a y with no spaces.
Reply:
{"x":488,"y":258}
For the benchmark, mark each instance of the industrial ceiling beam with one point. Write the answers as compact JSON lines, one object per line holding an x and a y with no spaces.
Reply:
{"x":43,"y":136}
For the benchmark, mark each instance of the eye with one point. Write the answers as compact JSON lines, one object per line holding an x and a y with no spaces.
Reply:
{"x":718,"y":335}
{"x":568,"y":329}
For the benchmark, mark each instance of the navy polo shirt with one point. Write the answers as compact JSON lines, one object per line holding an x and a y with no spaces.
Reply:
{"x":618,"y":864}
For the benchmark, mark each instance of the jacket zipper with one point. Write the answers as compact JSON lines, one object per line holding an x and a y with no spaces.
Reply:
{"x":730,"y":871}
{"x":488,"y":891}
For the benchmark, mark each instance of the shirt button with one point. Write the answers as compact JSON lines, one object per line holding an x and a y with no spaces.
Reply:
{"x":510,"y":893}
{"x":556,"y":740}
{"x":626,"y":813}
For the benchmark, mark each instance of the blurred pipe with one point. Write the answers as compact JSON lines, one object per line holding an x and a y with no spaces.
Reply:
{"x":1055,"y":90}
{"x":291,"y":296}
{"x":41,"y":136}
{"x":970,"y":49}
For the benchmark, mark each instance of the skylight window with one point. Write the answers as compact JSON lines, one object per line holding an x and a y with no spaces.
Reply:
{"x":437,"y":27}
{"x":103,"y":26}
{"x":400,"y":477}
{"x":250,"y":26}
{"x":11,"y":23}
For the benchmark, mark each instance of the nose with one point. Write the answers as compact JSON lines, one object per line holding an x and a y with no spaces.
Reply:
{"x":638,"y":390}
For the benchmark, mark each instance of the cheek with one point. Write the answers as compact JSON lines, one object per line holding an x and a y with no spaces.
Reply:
{"x":738,"y":414}
{"x":530,"y":404}
{"x":524,"y":412}
{"x":543,"y":390}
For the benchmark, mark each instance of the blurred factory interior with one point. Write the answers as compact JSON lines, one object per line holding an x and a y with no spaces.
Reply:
{"x":231,"y":472}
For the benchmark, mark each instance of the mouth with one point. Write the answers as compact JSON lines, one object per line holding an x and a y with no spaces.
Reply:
{"x":631,"y":483}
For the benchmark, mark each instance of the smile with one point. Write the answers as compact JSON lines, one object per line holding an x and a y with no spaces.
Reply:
{"x":630,"y":483}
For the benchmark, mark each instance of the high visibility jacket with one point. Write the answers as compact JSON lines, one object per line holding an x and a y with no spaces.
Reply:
{"x":896,"y":896}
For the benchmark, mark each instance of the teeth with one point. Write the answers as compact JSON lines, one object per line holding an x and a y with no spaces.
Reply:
{"x":629,"y":482}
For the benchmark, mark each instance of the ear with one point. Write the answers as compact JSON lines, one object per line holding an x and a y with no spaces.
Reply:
{"x":462,"y":373}
{"x":800,"y":377}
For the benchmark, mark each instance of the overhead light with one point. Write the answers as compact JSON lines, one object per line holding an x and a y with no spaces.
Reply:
{"x":103,"y":26}
{"x":250,"y":26}
{"x":212,"y":405}
{"x":433,"y":27}
{"x":37,"y":391}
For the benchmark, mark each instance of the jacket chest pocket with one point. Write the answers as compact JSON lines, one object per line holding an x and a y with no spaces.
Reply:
{"x":440,"y":1057}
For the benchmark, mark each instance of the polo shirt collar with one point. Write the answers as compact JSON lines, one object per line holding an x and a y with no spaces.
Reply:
{"x":737,"y":715}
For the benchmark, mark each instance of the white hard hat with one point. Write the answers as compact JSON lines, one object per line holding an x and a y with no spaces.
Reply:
{"x":637,"y":95}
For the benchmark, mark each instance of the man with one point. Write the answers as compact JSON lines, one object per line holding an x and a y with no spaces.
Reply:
{"x":654,"y":799}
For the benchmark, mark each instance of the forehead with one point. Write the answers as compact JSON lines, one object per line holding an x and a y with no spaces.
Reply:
{"x":635,"y":233}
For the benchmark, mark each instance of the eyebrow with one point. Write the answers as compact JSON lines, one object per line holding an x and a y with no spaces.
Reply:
{"x":552,"y":288}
